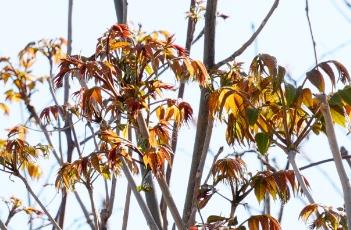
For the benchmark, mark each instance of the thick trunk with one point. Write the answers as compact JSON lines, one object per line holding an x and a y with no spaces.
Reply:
{"x":205,"y":122}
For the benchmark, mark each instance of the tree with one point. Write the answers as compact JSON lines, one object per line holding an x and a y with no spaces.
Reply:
{"x":122,"y":94}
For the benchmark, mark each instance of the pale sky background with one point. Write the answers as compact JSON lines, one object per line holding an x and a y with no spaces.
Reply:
{"x":285,"y":36}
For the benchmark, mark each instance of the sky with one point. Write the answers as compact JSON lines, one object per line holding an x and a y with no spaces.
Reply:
{"x":286,"y":36}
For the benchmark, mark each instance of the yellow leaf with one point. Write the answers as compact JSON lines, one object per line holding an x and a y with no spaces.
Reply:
{"x":34,"y":170}
{"x":117,"y":45}
{"x":307,"y":211}
{"x":4,"y":108}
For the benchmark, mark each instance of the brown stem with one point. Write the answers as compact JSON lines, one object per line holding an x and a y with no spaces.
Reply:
{"x":144,"y":208}
{"x":93,"y":207}
{"x":160,"y":179}
{"x":84,"y":209}
{"x":348,"y":157}
{"x":2,"y":226}
{"x":251,"y":39}
{"x":291,"y":158}
{"x":68,"y":119}
{"x":205,"y":121}
{"x":188,"y":44}
{"x":126,"y":209}
{"x":30,"y":190}
{"x":121,"y":10}
{"x":311,"y":33}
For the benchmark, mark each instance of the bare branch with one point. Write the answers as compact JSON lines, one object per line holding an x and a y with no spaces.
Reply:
{"x":251,"y":39}
{"x":30,"y":190}
{"x":205,"y":121}
{"x":126,"y":209}
{"x":311,"y":33}
{"x":220,"y":150}
{"x":344,"y":180}
{"x":2,"y":226}
{"x":147,"y":214}
{"x":188,"y":44}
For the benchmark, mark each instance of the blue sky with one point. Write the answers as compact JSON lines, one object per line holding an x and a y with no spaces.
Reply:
{"x":285,"y":36}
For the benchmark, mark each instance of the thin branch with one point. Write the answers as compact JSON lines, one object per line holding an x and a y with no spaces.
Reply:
{"x":323,"y":161}
{"x":126,"y":209}
{"x":220,"y":150}
{"x":251,"y":39}
{"x":147,"y":214}
{"x":188,"y":44}
{"x":2,"y":226}
{"x":30,"y":190}
{"x":93,"y":207}
{"x":205,"y":121}
{"x":84,"y":209}
{"x":311,"y":33}
{"x":300,"y":179}
{"x":161,"y":180}
{"x":200,"y":35}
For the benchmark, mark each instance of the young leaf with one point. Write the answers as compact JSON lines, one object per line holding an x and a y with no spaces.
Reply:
{"x":307,"y":211}
{"x":252,"y":115}
{"x":346,"y":94}
{"x":316,"y":78}
{"x":262,"y":142}
{"x":290,"y":94}
{"x":214,"y":218}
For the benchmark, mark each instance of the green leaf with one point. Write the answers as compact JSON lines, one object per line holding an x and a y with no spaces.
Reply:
{"x":279,"y":78}
{"x":316,"y":78}
{"x":262,"y":142}
{"x":260,"y":190}
{"x":346,"y":94}
{"x":290,"y":93}
{"x":233,"y":221}
{"x":338,"y":116}
{"x":214,"y":218}
{"x":335,"y":99}
{"x":252,"y":115}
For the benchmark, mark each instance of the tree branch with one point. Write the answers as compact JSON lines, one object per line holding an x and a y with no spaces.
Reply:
{"x":204,"y":122}
{"x":311,"y":33}
{"x":2,"y":226}
{"x":344,"y":180}
{"x":30,"y":190}
{"x":188,"y":45}
{"x":147,"y":214}
{"x":126,"y":209}
{"x":160,"y":179}
{"x":251,"y":39}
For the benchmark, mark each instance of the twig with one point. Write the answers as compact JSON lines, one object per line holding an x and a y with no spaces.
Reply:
{"x":93,"y":208}
{"x":251,"y":39}
{"x":322,"y":162}
{"x":147,"y":214}
{"x":2,"y":226}
{"x":202,"y":32}
{"x":205,"y":121}
{"x":84,"y":209}
{"x":160,"y":179}
{"x":188,"y":44}
{"x":126,"y":209}
{"x":300,"y":179}
{"x":29,"y":189}
{"x":220,"y":150}
{"x":311,"y":33}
